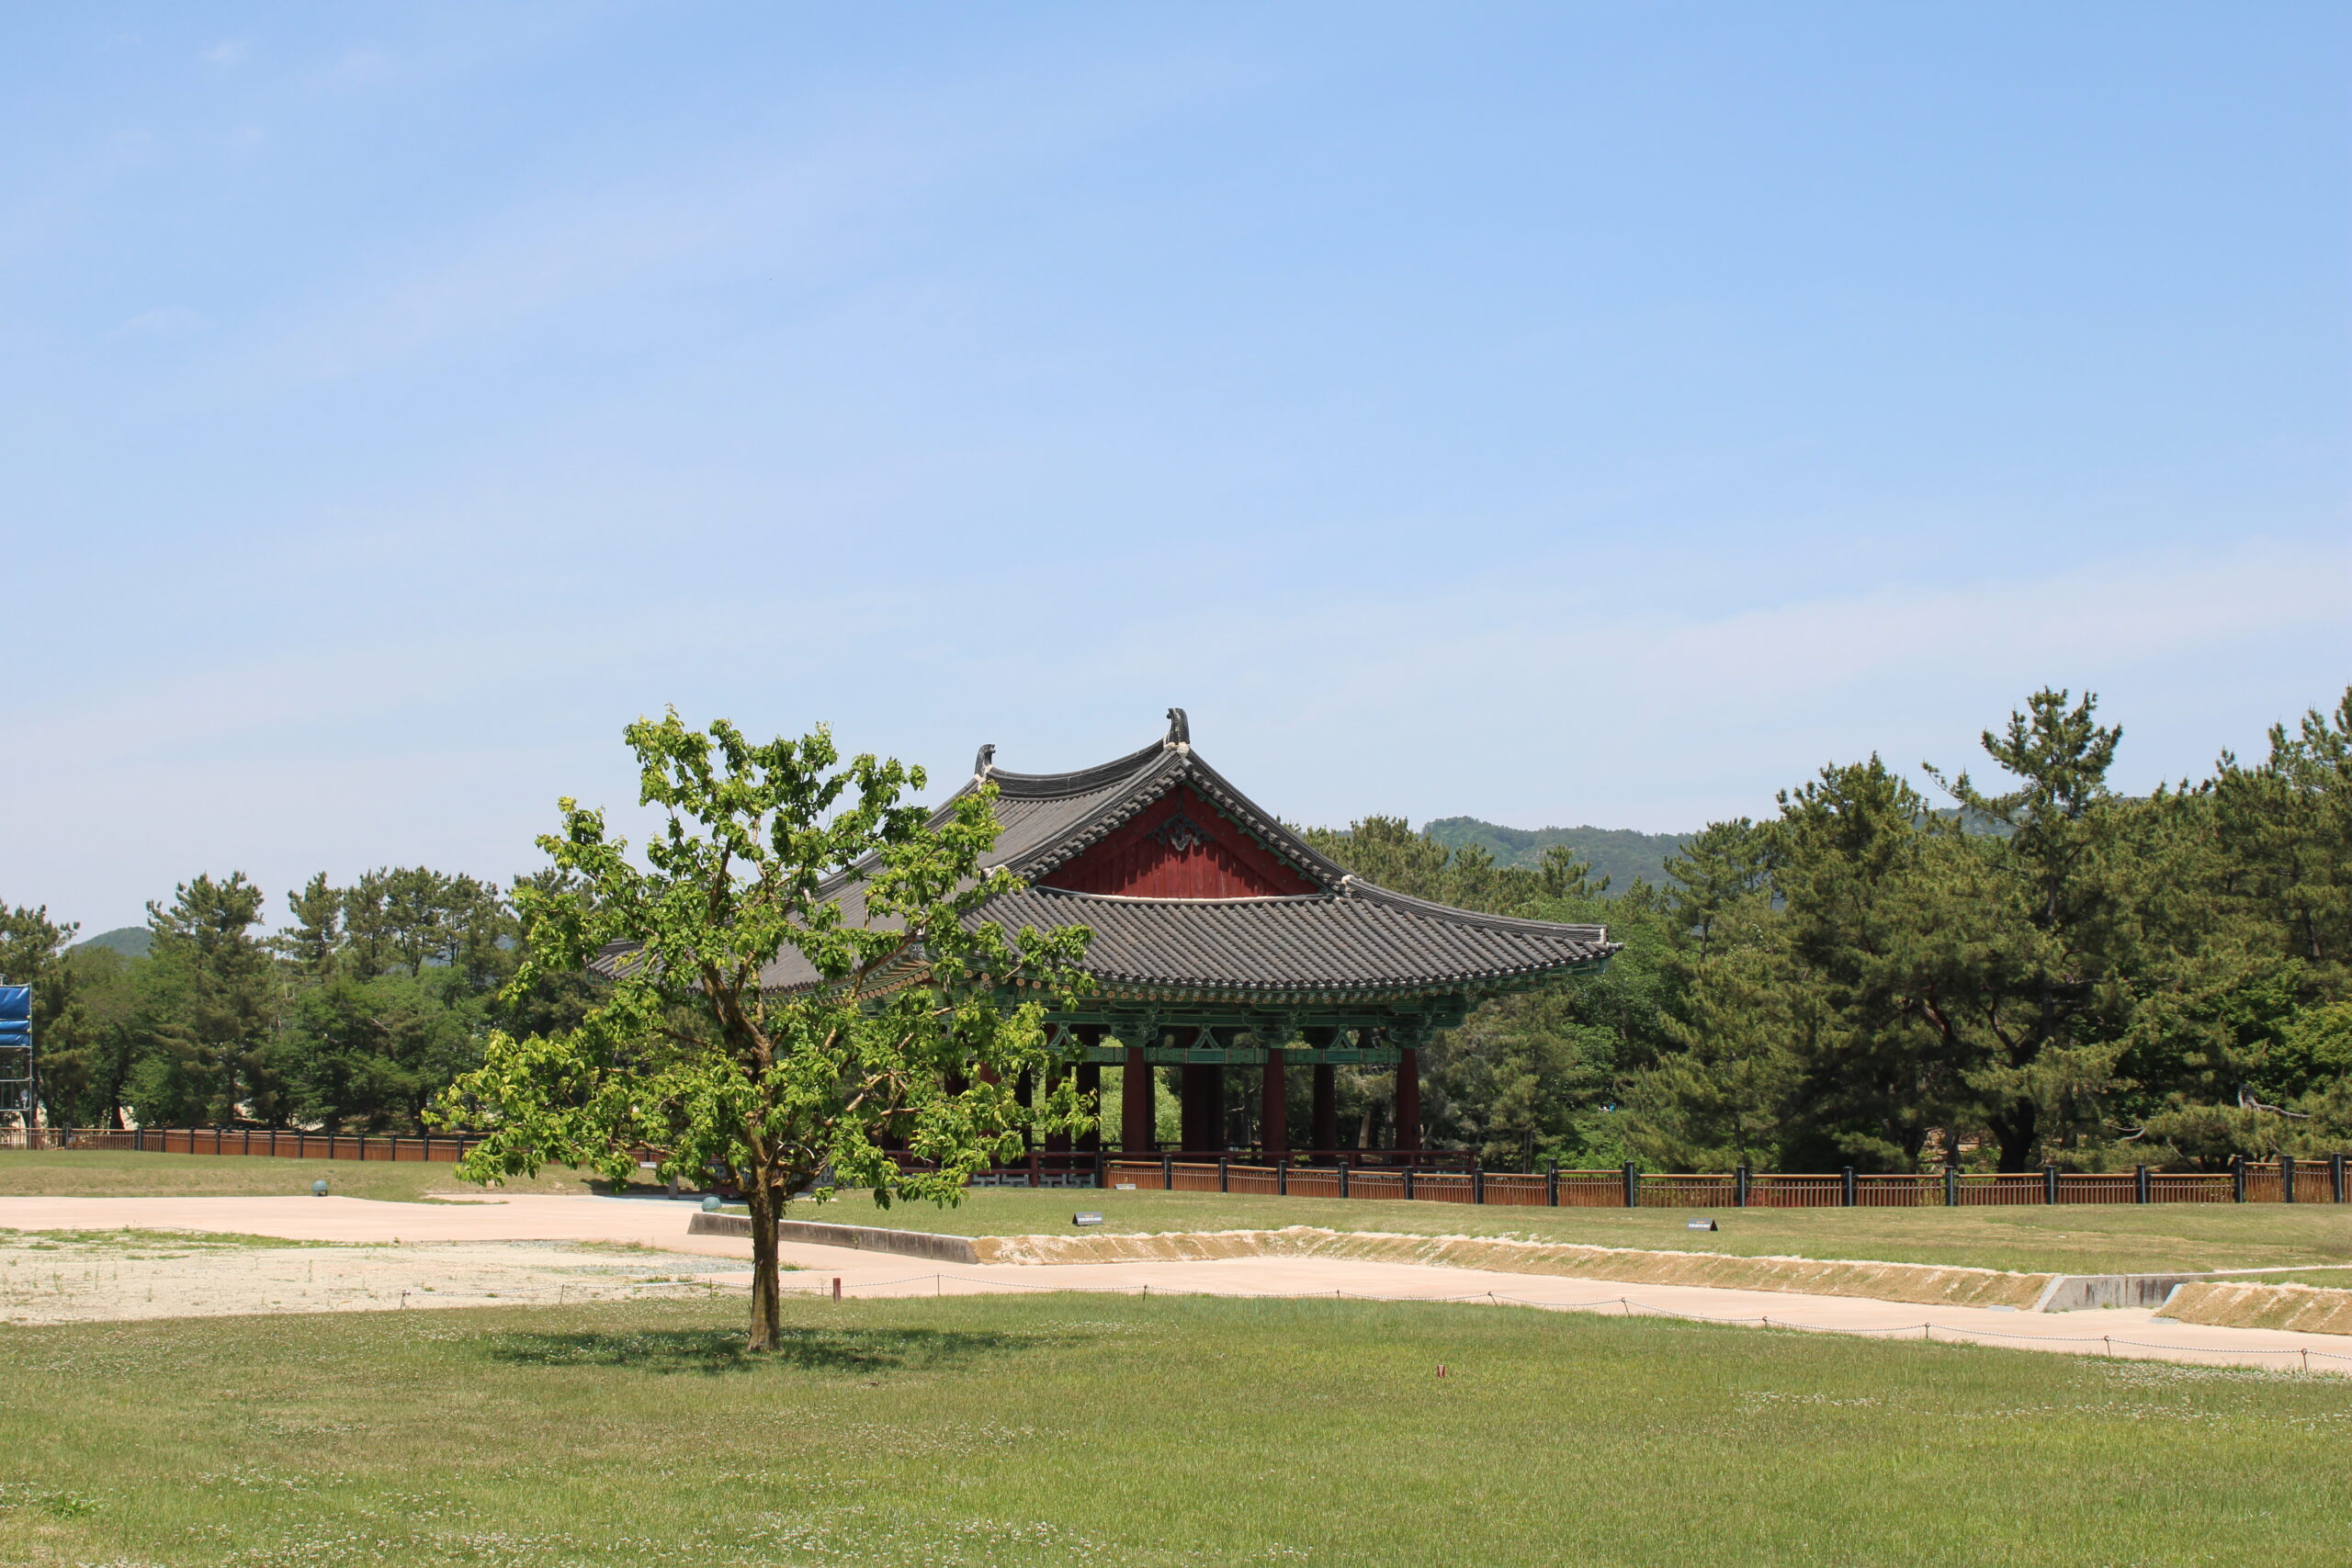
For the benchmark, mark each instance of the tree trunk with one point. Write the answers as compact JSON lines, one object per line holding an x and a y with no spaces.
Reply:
{"x":767,"y":1330}
{"x":2016,"y":1133}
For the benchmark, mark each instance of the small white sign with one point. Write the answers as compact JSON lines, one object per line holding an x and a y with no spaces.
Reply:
{"x":1123,"y":1187}
{"x":648,"y":1165}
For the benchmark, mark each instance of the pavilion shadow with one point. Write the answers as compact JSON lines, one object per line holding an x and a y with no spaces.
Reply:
{"x":717,"y":1352}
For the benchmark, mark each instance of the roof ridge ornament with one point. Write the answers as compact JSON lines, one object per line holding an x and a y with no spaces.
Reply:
{"x":1180,"y":730}
{"x":985,"y":763}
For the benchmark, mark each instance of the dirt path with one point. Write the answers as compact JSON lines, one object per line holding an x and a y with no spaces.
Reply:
{"x":484,"y":1238}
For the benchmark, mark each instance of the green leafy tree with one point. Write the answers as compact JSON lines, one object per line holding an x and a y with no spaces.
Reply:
{"x":214,"y":995}
{"x":2035,"y":962}
{"x":2284,"y":828}
{"x":99,"y":1038}
{"x":885,"y":997}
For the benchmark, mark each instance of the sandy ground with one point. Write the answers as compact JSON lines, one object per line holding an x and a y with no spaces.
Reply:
{"x":464,"y":1251}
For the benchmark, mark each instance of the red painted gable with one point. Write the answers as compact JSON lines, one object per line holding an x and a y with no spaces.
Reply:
{"x":1179,"y":847}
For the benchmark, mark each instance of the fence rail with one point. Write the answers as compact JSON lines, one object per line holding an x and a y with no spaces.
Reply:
{"x":1457,"y":1179}
{"x":2285,"y":1181}
{"x":436,"y":1148}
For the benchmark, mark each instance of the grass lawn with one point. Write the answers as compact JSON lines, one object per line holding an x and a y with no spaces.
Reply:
{"x":131,"y":1173}
{"x":1108,"y":1430}
{"x":2087,"y":1238}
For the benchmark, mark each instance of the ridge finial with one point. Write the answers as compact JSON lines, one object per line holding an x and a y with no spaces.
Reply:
{"x":1180,"y":728}
{"x":986,"y":761}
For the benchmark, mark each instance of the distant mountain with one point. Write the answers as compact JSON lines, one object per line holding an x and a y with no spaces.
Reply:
{"x":1619,"y":853}
{"x":130,"y":940}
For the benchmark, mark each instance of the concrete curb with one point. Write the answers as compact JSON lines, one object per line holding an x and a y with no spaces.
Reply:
{"x":864,"y":1238}
{"x":2082,"y":1293}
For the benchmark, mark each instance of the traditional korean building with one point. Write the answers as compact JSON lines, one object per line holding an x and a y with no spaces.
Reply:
{"x":1222,"y":942}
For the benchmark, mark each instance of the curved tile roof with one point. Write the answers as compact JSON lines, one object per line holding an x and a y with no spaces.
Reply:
{"x":1350,"y":938}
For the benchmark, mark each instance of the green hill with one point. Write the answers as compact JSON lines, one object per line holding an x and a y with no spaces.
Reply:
{"x":129,"y":941}
{"x":1619,"y":853}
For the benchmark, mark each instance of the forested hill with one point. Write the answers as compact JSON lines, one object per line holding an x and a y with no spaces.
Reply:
{"x":1619,"y":853}
{"x":130,"y":940}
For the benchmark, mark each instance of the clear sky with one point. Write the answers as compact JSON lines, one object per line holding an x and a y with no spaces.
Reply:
{"x":1554,"y":413}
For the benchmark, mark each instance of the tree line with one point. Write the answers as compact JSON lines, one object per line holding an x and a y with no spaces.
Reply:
{"x":350,"y":1017}
{"x":2003,"y":972}
{"x":2016,"y":970}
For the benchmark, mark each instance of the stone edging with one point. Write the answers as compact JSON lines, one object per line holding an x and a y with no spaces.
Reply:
{"x":1927,"y":1284}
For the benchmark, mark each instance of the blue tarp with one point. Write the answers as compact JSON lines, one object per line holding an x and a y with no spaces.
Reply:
{"x":16,"y":1014}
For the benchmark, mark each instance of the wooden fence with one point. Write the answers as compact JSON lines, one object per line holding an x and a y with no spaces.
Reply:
{"x":440,"y":1148}
{"x":2321,"y":1180}
{"x":2247,"y":1181}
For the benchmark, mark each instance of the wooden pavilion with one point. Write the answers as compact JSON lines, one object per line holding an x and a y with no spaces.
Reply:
{"x":1221,"y":940}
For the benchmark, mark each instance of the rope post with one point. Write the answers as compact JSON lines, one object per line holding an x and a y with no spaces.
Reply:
{"x":1343,"y":1176}
{"x":2286,"y":1178}
{"x":1633,"y":1178}
{"x":2237,"y":1178}
{"x":1846,"y":1188}
{"x":1951,"y":1186}
{"x":2336,"y":1178}
{"x":1478,"y":1182}
{"x":1551,"y":1182}
{"x":1282,"y":1176}
{"x":1408,"y":1184}
{"x":2049,"y":1184}
{"x":837,"y":1287}
{"x":1168,"y":1173}
{"x":2141,"y":1186}
{"x":1223,"y":1180}
{"x":1739,"y":1185}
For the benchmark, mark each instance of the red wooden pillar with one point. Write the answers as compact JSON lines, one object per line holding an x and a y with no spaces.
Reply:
{"x":1025,"y":1096}
{"x":1327,"y":1106}
{"x":1090,"y":1100}
{"x":1202,"y":1096}
{"x":1135,"y":1105}
{"x":1408,"y":1098}
{"x":1273,"y":1106}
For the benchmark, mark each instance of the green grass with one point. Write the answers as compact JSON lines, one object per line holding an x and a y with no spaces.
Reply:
{"x":1112,"y":1431}
{"x":2089,"y":1238}
{"x":130,"y":1173}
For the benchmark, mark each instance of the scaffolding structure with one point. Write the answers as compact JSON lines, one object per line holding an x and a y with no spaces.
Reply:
{"x":19,"y":1080}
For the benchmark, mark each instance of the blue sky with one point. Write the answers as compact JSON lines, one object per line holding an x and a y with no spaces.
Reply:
{"x":1559,"y":413}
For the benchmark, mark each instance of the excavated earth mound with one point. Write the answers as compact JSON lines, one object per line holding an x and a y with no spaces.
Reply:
{"x":1925,"y":1283}
{"x":2306,"y":1308}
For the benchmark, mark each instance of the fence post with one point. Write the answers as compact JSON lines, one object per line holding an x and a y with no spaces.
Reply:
{"x":1551,"y":1182}
{"x":139,"y":1138}
{"x":1739,"y":1186}
{"x":2336,"y":1178}
{"x":1408,"y":1183}
{"x":1223,"y":1183}
{"x":1846,"y":1188}
{"x":1343,"y":1176}
{"x":1168,"y":1173}
{"x":2049,"y":1184}
{"x":1477,"y":1183}
{"x":2237,"y":1178}
{"x":1633,"y":1186}
{"x":2141,"y":1185}
{"x":1951,"y":1185}
{"x":2286,"y":1178}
